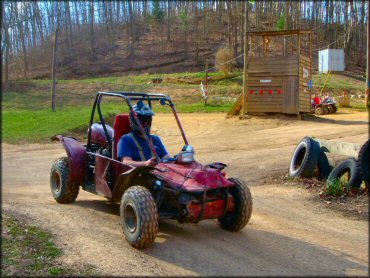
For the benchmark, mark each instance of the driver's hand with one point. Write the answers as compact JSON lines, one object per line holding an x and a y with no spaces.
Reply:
{"x":151,"y":162}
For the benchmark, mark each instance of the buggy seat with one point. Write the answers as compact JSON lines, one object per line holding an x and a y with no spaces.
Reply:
{"x":121,"y":127}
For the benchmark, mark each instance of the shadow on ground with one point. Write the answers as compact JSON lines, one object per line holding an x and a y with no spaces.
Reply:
{"x":206,"y":249}
{"x":313,"y":118}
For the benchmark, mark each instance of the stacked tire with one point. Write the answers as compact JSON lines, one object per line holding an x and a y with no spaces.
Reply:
{"x":364,"y":160}
{"x":309,"y":160}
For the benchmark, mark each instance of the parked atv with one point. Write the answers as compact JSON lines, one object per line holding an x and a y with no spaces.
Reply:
{"x":179,"y":188}
{"x":327,"y":106}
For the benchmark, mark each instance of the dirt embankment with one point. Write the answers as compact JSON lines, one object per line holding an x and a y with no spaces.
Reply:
{"x":289,"y":233}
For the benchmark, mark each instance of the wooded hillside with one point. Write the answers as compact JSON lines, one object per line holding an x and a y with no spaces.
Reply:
{"x":112,"y":37}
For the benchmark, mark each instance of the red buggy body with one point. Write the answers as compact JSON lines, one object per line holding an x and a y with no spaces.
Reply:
{"x":179,"y":188}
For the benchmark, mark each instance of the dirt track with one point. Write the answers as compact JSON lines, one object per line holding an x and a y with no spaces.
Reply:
{"x":289,"y":234}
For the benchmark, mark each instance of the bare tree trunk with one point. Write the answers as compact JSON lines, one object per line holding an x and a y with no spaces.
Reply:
{"x":37,"y":15}
{"x":132,"y":34}
{"x":229,"y":24}
{"x":7,"y":42}
{"x":168,"y":20}
{"x":22,"y":39}
{"x":235,"y":29}
{"x":245,"y":76}
{"x":77,"y":21}
{"x":197,"y":35}
{"x":92,"y":52}
{"x":286,"y":27}
{"x":53,"y":86}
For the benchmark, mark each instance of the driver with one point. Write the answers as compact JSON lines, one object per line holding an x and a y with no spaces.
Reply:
{"x":132,"y":148}
{"x":316,"y":100}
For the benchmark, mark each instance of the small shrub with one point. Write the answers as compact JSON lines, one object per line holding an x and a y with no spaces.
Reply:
{"x":224,"y":55}
{"x":344,"y":100}
{"x":334,"y":188}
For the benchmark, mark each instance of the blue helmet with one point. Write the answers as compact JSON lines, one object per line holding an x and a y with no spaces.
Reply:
{"x":144,"y":113}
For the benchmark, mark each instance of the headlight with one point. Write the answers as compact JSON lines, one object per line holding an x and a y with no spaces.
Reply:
{"x":185,"y":157}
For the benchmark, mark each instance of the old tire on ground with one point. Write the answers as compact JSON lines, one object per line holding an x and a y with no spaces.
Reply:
{"x":236,"y":220}
{"x":319,"y":111}
{"x":139,"y":217}
{"x":63,"y":190}
{"x":323,"y":166}
{"x":349,"y":170}
{"x":305,"y":158}
{"x":363,"y":159}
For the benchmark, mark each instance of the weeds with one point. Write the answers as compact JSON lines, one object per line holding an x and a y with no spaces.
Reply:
{"x":334,"y":188}
{"x":30,"y":251}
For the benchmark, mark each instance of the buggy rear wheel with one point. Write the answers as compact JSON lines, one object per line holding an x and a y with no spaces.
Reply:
{"x":237,"y":219}
{"x":139,"y":217}
{"x":63,"y":190}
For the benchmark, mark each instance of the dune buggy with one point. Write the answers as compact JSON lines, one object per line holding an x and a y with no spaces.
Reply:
{"x":179,"y":188}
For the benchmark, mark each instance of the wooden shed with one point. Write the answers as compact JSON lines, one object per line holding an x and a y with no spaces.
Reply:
{"x":279,"y":73}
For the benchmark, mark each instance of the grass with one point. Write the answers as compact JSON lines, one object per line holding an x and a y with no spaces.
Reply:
{"x":30,"y":251}
{"x":27,"y":115}
{"x":338,"y":82}
{"x":21,"y":126}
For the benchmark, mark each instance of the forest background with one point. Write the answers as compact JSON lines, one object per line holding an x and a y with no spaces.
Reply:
{"x":100,"y":38}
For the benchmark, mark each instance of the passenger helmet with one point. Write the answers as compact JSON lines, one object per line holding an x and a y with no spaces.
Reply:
{"x":144,"y":113}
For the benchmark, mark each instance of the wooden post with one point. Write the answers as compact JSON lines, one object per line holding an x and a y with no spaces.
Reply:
{"x":245,"y":78}
{"x":53,"y":85}
{"x":299,"y":77}
{"x":310,"y":55}
{"x":206,"y":97}
{"x":368,"y":60}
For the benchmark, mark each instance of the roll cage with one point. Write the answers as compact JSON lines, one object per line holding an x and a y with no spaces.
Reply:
{"x":129,"y":97}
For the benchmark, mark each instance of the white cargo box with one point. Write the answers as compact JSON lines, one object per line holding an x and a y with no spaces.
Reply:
{"x":331,"y":60}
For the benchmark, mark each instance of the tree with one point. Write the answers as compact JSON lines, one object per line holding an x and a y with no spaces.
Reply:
{"x":21,"y":37}
{"x":92,"y":52}
{"x":184,"y":24}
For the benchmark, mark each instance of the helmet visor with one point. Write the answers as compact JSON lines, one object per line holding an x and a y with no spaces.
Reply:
{"x":146,"y":121}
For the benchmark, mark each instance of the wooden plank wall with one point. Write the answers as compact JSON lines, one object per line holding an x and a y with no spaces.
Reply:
{"x":266,"y":77}
{"x":304,"y":91}
{"x":273,"y":66}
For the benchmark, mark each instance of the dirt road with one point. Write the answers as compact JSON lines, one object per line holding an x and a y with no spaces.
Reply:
{"x":289,"y":233}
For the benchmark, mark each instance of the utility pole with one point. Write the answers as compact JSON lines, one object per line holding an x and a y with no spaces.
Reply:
{"x":206,"y":92}
{"x":368,"y":60}
{"x":245,"y":78}
{"x":53,"y":65}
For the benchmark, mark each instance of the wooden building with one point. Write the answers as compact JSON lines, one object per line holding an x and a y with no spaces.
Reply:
{"x":278,"y":73}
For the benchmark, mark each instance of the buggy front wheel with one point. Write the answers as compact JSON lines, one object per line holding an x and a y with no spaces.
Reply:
{"x":64,"y":191}
{"x":139,"y":217}
{"x":239,"y":217}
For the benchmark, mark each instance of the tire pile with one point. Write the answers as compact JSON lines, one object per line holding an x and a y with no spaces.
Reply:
{"x":308,"y":158}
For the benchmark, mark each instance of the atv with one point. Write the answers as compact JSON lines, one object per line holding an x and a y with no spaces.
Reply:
{"x":327,"y":106}
{"x":178,"y":188}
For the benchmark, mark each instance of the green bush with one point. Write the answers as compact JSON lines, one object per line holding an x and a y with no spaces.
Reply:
{"x":334,"y":188}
